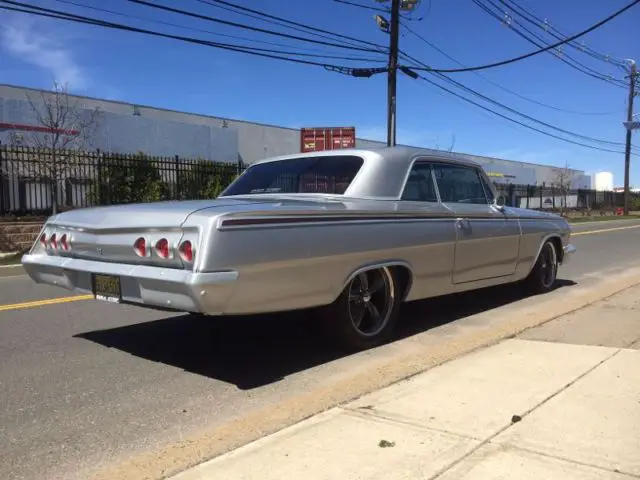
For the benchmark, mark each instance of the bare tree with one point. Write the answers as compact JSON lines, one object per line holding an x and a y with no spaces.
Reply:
{"x":63,"y":129}
{"x":451,"y":145}
{"x":453,"y":142}
{"x":562,"y":179}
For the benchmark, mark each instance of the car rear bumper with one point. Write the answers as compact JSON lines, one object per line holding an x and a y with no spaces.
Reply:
{"x":157,"y":287}
{"x":567,"y":253}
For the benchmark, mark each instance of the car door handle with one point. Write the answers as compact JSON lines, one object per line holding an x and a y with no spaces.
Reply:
{"x":462,"y":223}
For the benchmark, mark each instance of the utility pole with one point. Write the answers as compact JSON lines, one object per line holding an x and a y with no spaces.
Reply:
{"x":627,"y":150}
{"x":393,"y":72}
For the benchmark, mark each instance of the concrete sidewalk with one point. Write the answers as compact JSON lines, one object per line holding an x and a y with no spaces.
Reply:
{"x":560,"y":402}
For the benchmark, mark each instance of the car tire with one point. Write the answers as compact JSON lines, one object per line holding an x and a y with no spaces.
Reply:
{"x":367,"y":310}
{"x":543,"y":275}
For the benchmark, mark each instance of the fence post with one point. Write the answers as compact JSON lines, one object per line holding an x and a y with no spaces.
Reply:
{"x":107,"y":190}
{"x":98,"y":177}
{"x":3,"y":208}
{"x":541,"y":194}
{"x":178,"y":184}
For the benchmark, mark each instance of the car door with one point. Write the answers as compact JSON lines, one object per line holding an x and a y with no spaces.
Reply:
{"x":488,"y":238}
{"x":429,"y":245}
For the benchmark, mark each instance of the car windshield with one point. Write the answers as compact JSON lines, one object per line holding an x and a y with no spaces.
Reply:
{"x":322,"y":174}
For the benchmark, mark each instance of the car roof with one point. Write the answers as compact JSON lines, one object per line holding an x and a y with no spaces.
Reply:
{"x":397,"y":154}
{"x":385,"y":170}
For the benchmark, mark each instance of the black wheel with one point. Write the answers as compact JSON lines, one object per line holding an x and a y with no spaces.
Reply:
{"x":544,"y":274}
{"x":365,"y":313}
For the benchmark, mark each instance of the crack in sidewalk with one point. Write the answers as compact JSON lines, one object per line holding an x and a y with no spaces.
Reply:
{"x":523,"y":416}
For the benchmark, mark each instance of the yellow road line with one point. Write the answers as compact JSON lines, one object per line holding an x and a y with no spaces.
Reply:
{"x":591,"y":232}
{"x":41,"y":303}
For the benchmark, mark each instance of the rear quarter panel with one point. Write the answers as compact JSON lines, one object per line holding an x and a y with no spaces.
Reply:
{"x":306,"y":264}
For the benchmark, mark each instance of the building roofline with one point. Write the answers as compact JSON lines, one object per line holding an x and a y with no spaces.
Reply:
{"x":164,"y":109}
{"x":123,"y":103}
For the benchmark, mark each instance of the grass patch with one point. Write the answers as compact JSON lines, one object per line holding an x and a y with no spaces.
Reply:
{"x":605,"y":218}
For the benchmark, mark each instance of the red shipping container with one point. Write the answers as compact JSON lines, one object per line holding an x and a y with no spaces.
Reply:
{"x":327,"y":138}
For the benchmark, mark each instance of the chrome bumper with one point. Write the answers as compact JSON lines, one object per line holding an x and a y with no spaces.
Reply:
{"x":568,"y":251}
{"x":159,"y":287}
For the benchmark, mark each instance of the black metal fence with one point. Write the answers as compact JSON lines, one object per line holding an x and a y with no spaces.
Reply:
{"x":32,"y":179}
{"x":563,"y":199}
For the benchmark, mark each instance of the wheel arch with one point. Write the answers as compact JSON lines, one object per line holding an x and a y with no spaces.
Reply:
{"x":400,"y":269}
{"x":557,"y":243}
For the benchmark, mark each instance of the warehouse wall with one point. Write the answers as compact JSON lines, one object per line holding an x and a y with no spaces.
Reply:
{"x":129,"y":133}
{"x":169,"y":132}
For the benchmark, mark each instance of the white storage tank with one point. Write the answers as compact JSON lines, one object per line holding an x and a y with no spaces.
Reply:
{"x":603,"y":181}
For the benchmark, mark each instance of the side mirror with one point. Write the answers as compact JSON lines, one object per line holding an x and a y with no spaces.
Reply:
{"x":501,"y":200}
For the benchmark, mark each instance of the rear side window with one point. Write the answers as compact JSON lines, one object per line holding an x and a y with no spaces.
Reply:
{"x":459,"y":184}
{"x":322,"y":174}
{"x":419,"y":186}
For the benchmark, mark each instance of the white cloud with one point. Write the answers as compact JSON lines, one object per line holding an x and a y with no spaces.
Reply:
{"x":20,"y":37}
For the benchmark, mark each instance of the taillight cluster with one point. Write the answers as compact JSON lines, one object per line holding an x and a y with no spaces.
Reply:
{"x":162,"y":249}
{"x":56,"y":242}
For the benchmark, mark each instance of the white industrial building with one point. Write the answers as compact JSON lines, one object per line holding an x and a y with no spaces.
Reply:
{"x":129,"y":128}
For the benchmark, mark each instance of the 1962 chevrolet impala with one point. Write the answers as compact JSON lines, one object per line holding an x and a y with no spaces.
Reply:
{"x":357,"y":232}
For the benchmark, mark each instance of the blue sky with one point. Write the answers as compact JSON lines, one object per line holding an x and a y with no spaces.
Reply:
{"x":148,"y":70}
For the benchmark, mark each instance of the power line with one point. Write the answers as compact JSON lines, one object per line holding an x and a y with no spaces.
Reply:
{"x":516,"y":121}
{"x":378,"y":9}
{"x":50,"y":13}
{"x":528,"y":117}
{"x":497,"y":84}
{"x":495,"y":102}
{"x":87,"y":20}
{"x":209,"y":32}
{"x":248,"y":27}
{"x":276,"y":20}
{"x":365,"y":7}
{"x":563,"y":57}
{"x":488,"y":99}
{"x":537,"y":52}
{"x":547,"y":27}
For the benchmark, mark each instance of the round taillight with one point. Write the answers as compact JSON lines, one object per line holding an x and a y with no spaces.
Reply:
{"x":186,"y":251}
{"x":64,"y":242}
{"x":43,"y":240}
{"x":162,"y":248}
{"x":140,"y":247}
{"x":53,"y":241}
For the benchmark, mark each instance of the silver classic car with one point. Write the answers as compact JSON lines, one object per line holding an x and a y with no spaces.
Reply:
{"x":356,"y":232}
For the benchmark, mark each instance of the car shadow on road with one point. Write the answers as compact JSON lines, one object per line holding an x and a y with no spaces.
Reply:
{"x":253,"y":351}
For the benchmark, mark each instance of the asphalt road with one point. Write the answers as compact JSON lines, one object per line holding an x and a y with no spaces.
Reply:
{"x":86,"y":383}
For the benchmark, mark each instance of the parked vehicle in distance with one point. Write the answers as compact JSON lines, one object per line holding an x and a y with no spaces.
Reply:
{"x":355,"y":232}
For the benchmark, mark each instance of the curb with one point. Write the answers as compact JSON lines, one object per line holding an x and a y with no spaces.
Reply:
{"x":399,"y":361}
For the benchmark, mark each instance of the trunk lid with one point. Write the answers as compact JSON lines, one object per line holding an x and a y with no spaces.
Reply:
{"x":140,"y":216}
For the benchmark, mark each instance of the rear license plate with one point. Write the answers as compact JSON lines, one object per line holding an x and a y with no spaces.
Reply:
{"x":107,"y":288}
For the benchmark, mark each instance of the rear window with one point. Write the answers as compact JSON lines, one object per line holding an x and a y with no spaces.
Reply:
{"x":323,"y":174}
